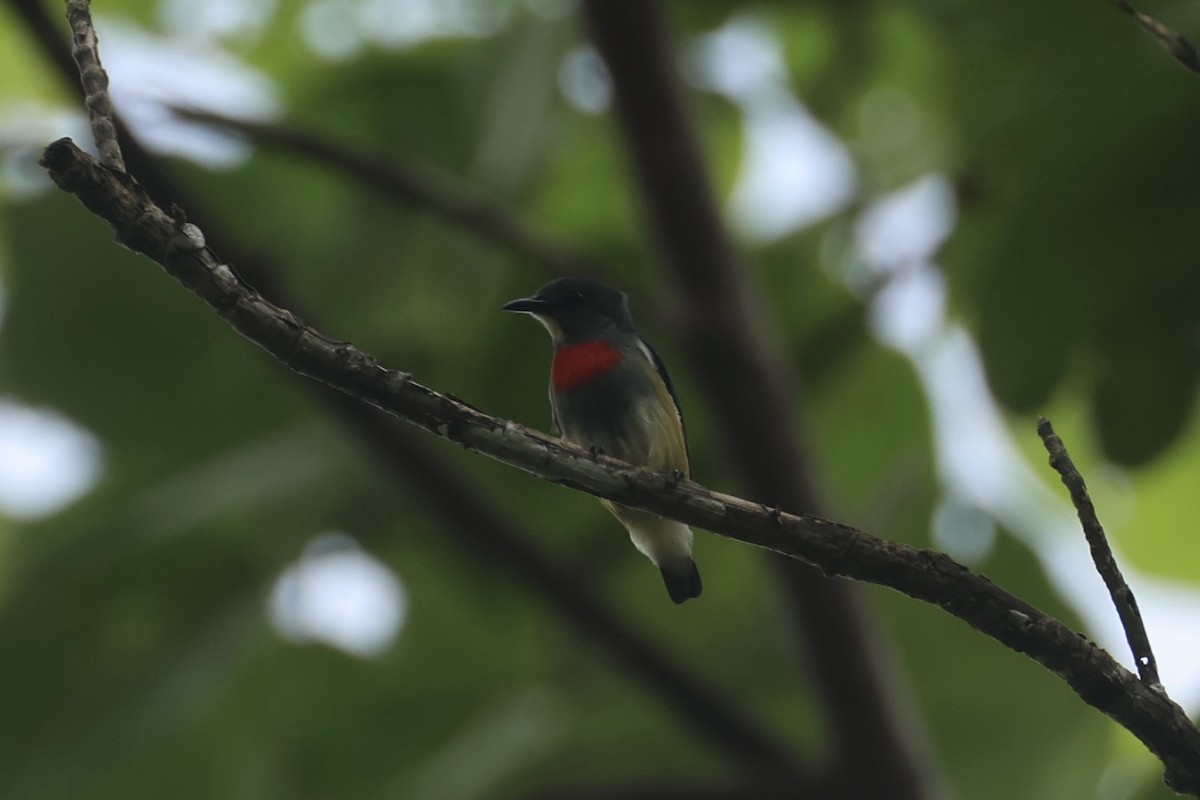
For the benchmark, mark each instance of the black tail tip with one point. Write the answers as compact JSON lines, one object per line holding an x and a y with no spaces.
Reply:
{"x":682,"y":580}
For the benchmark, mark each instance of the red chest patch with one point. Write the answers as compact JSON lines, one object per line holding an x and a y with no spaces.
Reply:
{"x":579,"y":364}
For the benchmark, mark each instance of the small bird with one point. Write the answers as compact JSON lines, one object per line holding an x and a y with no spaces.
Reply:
{"x":610,"y":391}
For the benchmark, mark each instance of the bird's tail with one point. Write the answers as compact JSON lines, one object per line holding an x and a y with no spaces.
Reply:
{"x":665,"y":542}
{"x":682,"y":580}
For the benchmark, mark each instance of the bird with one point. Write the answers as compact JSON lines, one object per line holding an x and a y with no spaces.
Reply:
{"x":610,"y":392}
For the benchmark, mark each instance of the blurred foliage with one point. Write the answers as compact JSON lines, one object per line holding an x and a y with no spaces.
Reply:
{"x":136,"y":655}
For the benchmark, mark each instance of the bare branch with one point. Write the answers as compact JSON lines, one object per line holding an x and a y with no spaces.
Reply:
{"x":1180,"y":48}
{"x":419,"y":185}
{"x":835,"y":548}
{"x":86,"y":52}
{"x":1106,"y":565}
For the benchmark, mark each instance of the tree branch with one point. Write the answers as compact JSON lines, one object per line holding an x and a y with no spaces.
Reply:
{"x":725,"y":322}
{"x":418,"y":185}
{"x":95,"y":84}
{"x":1102,"y":556}
{"x":1180,"y":48}
{"x":835,"y":548}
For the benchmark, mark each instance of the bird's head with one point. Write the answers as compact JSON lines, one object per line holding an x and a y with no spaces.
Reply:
{"x":577,"y":309}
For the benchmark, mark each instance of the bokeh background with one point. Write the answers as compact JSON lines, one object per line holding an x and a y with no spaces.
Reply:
{"x":213,"y":585}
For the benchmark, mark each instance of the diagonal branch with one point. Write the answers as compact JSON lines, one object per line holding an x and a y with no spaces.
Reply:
{"x":418,"y":185}
{"x":834,"y":548}
{"x":1106,"y":565}
{"x":1180,"y":48}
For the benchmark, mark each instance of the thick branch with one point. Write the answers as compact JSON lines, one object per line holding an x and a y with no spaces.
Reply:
{"x":836,"y":549}
{"x":725,"y":322}
{"x":1102,"y":556}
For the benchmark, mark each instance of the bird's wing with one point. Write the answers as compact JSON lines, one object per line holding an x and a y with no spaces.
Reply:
{"x":661,"y":369}
{"x":557,"y":426}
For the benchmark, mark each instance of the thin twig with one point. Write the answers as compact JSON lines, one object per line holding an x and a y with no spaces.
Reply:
{"x":1102,"y":556}
{"x":419,"y":185}
{"x":836,"y":549}
{"x":86,"y":52}
{"x":1180,"y":48}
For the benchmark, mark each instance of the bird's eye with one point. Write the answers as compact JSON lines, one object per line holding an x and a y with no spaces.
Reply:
{"x":577,"y":294}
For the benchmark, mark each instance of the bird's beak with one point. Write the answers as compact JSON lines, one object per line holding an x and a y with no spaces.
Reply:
{"x":526,"y":305}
